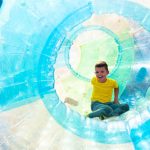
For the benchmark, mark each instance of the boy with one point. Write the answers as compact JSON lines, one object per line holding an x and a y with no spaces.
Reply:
{"x":103,"y":87}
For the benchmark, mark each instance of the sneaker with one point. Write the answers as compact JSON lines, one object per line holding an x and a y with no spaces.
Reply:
{"x":102,"y":117}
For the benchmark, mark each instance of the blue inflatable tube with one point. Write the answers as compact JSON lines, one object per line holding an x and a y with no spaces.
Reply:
{"x":33,"y":38}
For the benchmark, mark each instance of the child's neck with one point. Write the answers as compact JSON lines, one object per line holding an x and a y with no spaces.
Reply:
{"x":102,"y":80}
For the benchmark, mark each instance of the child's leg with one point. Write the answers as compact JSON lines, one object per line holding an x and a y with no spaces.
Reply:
{"x":119,"y":109}
{"x":100,"y":109}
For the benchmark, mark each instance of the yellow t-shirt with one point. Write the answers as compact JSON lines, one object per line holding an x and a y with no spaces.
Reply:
{"x":102,"y":92}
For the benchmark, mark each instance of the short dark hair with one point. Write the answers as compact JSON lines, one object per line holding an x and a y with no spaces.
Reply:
{"x":102,"y":64}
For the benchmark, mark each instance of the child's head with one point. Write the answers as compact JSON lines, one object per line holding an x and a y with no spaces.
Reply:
{"x":101,"y":64}
{"x":101,"y":70}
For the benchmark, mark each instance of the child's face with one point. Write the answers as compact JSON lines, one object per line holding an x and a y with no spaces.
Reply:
{"x":101,"y":72}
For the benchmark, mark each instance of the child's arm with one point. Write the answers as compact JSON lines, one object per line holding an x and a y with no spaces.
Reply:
{"x":116,"y":92}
